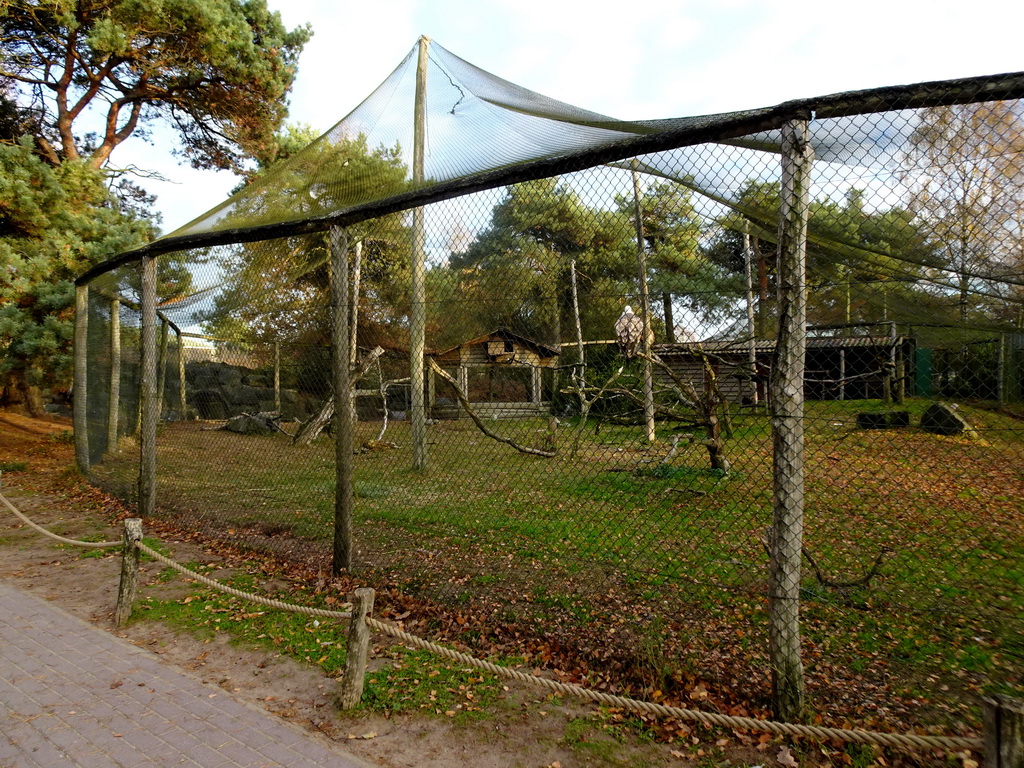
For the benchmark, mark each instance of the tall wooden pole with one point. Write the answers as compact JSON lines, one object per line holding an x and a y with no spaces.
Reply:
{"x":147,"y":391}
{"x":1001,"y":371}
{"x":114,"y":396}
{"x":161,"y":367}
{"x":748,"y":276}
{"x":277,"y":376}
{"x":357,"y":272}
{"x":81,"y":391}
{"x":579,"y":377}
{"x":343,"y":499}
{"x":645,"y":308}
{"x":787,"y":411}
{"x":418,"y":310}
{"x":182,"y":393}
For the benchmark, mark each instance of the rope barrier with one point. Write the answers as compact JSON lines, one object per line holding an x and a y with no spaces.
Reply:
{"x":821,"y":733}
{"x":270,"y":603}
{"x":910,"y":740}
{"x":707,"y":718}
{"x":62,"y":539}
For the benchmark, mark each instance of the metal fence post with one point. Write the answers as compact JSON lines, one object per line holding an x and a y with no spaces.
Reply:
{"x":358,"y":649}
{"x":129,"y":583}
{"x":787,"y":409}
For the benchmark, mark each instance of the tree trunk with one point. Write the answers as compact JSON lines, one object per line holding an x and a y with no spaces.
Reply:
{"x":31,"y":398}
{"x":670,"y":323}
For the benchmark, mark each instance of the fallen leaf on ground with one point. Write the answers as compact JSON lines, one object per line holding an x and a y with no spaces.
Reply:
{"x":785,"y":757}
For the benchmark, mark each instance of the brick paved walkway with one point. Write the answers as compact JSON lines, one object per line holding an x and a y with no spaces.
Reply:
{"x":74,"y":695}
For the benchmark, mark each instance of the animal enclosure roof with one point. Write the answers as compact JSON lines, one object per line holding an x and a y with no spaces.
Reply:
{"x":482,"y":132}
{"x":541,"y":349}
{"x":742,"y":346}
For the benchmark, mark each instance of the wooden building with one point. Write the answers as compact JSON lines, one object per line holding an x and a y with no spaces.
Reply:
{"x":837,"y":367}
{"x":504,"y":375}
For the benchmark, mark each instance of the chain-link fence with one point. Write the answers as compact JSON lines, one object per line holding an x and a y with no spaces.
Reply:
{"x":604,"y":442}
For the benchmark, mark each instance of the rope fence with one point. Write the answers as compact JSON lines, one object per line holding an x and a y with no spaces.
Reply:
{"x":814,"y":732}
{"x":821,"y":733}
{"x":258,"y":599}
{"x":690,"y":715}
{"x":63,"y":540}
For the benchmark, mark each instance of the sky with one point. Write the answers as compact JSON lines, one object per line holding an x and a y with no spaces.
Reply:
{"x":638,"y":60}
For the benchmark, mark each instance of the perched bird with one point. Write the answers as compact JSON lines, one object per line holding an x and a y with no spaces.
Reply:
{"x":629,"y":330}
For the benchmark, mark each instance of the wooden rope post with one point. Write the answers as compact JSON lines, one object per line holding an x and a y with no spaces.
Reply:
{"x":358,"y":649}
{"x":1004,"y":732}
{"x":129,"y":571}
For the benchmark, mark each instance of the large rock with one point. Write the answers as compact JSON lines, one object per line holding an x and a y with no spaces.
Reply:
{"x":883,"y":419}
{"x":211,"y":404}
{"x":943,"y":419}
{"x":254,"y":424}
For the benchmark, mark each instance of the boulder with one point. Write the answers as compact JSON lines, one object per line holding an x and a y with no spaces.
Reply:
{"x":254,"y":424}
{"x":883,"y":420}
{"x":943,"y":419}
{"x":211,"y":404}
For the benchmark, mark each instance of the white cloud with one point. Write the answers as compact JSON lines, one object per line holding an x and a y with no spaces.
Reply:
{"x":659,"y":58}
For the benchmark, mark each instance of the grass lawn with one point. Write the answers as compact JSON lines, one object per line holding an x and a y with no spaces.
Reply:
{"x":914,"y":575}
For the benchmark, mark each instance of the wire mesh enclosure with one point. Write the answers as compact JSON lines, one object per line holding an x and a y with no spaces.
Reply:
{"x":556,"y":370}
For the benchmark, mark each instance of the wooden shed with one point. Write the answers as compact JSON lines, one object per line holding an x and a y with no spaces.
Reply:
{"x":837,"y":367}
{"x":502,"y":373}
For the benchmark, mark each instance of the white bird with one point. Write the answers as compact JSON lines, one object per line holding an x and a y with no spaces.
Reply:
{"x":629,"y":330}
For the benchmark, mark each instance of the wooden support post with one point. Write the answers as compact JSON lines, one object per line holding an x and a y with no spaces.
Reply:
{"x":114,"y":397}
{"x":431,"y":392}
{"x":1001,"y":370}
{"x":463,"y":380}
{"x":81,"y":392}
{"x":277,"y":376}
{"x":148,"y":414}
{"x":579,"y":371}
{"x":645,"y":308}
{"x":358,"y":649}
{"x":1004,"y":731}
{"x":418,"y":310}
{"x":129,"y":571}
{"x":748,"y":276}
{"x":536,"y":386}
{"x":161,"y":368}
{"x":787,"y":412}
{"x":343,"y":437}
{"x":182,"y":391}
{"x":357,"y":272}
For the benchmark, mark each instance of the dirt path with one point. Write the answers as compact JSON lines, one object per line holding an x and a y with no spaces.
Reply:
{"x":525,"y":729}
